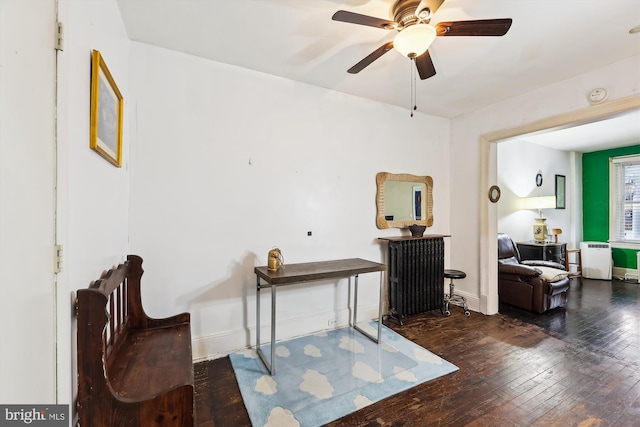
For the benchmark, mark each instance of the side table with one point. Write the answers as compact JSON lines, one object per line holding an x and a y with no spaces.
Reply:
{"x":556,"y":252}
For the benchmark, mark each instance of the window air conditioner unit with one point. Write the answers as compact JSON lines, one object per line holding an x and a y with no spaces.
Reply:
{"x":596,"y":260}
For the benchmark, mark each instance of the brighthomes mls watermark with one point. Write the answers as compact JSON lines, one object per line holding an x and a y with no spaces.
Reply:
{"x":34,"y":415}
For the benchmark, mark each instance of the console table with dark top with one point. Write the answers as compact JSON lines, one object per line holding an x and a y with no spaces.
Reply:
{"x":556,"y":252}
{"x":312,"y":271}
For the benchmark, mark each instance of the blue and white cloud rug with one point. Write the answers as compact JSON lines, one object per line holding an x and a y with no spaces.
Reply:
{"x":322,"y":377}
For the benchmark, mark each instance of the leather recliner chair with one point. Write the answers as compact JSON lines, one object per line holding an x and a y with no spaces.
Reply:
{"x":533,"y":285}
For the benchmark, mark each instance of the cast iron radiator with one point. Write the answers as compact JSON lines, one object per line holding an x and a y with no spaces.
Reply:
{"x":416,"y":276}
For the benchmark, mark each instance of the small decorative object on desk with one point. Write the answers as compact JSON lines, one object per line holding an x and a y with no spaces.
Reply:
{"x":275,"y":259}
{"x":555,"y":232}
{"x":417,"y":230}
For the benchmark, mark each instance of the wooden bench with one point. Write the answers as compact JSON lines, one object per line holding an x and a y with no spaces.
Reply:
{"x":132,"y":370}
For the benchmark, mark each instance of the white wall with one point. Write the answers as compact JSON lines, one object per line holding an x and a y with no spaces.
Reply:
{"x":227,"y":163}
{"x":518,"y":164}
{"x":93,"y":208}
{"x":27,"y":149}
{"x":90,"y":196}
{"x":98,"y":192}
{"x":469,"y":225}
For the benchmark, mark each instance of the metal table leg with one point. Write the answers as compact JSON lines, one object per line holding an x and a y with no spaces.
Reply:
{"x":354,"y":324}
{"x":269,"y":365}
{"x":258,"y":313}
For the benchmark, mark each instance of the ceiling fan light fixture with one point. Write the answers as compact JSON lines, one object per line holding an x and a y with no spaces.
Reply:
{"x":414,"y":40}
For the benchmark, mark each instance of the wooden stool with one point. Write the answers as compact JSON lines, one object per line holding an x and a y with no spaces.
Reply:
{"x":577,"y":262}
{"x":452,"y":298}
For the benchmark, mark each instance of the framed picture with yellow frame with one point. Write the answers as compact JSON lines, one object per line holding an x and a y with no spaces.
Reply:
{"x":107,"y":107}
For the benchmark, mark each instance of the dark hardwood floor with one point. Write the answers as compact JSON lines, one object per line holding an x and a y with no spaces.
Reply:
{"x":573,"y":366}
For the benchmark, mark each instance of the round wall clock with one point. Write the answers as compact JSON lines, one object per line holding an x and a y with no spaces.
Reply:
{"x":539,"y":179}
{"x":494,"y":193}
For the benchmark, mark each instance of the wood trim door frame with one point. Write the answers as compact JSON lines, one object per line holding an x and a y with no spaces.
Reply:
{"x":489,"y":176}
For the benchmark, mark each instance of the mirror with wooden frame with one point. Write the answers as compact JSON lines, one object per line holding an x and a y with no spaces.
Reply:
{"x":403,"y":200}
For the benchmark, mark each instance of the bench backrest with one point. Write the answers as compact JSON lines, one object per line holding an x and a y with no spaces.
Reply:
{"x":106,"y":311}
{"x":118,"y":382}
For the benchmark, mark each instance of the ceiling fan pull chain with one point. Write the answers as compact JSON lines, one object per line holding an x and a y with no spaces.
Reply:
{"x":413,"y":85}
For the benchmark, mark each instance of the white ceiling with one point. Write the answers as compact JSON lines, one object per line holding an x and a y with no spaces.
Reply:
{"x":549,"y":41}
{"x":619,"y":131}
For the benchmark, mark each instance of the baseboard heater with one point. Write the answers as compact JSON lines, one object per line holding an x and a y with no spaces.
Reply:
{"x":416,"y":275}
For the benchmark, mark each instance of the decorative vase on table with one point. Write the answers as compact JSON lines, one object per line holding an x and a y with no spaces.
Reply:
{"x":417,"y":230}
{"x":540,"y":230}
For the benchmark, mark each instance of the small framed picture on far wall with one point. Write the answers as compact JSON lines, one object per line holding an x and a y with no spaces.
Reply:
{"x":560,"y":192}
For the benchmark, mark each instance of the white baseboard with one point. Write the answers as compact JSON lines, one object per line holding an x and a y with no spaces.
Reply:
{"x":625,"y":273}
{"x":221,"y":344}
{"x":218,"y":345}
{"x":473,"y":301}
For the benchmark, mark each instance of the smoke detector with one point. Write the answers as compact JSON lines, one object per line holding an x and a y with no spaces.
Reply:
{"x":598,"y":96}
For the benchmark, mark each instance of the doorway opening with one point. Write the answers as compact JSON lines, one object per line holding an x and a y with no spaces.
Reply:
{"x":489,"y":176}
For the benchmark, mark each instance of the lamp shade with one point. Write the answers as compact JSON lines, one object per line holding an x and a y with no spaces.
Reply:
{"x":414,"y":40}
{"x":540,"y":202}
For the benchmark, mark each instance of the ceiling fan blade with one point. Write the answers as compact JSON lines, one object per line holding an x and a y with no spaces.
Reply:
{"x":482,"y":27}
{"x":425,"y":67}
{"x":356,"y":18}
{"x":370,"y":58}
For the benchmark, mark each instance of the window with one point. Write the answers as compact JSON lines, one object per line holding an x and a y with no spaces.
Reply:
{"x":624,"y":218}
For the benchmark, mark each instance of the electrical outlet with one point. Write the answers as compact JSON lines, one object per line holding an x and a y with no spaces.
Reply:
{"x":332,"y":322}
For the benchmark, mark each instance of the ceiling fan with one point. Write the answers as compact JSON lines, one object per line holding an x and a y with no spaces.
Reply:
{"x":415,"y":33}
